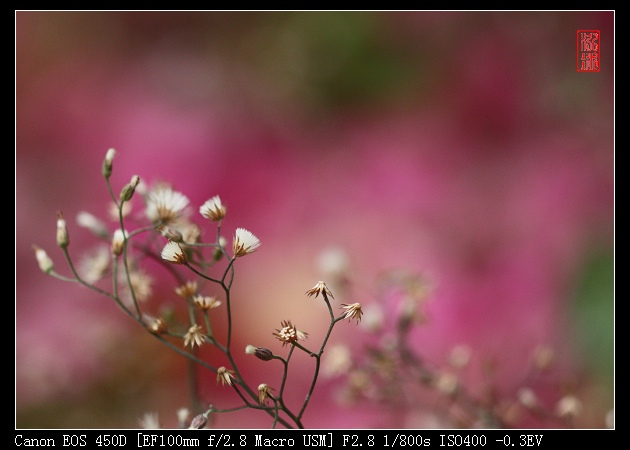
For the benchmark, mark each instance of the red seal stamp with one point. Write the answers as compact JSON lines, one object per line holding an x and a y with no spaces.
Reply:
{"x":588,"y":50}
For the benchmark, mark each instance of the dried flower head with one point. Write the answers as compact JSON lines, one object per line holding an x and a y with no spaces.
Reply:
{"x":353,"y":311}
{"x":225,"y":376}
{"x":155,"y":325}
{"x":165,"y":204}
{"x":264,"y":392}
{"x":244,"y":242}
{"x":320,"y":288}
{"x":288,"y":333}
{"x":187,"y":290}
{"x":206,"y":303}
{"x":213,"y":209}
{"x":194,"y":336}
{"x":173,"y":253}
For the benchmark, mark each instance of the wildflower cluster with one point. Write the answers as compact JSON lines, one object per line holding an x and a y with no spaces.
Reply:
{"x":168,"y":235}
{"x":390,"y":371}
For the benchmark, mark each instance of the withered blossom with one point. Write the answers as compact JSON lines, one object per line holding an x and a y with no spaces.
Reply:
{"x":288,"y":333}
{"x":264,"y":392}
{"x":206,"y":303}
{"x":353,"y":311}
{"x":225,"y":376}
{"x":319,"y":288}
{"x":194,"y":336}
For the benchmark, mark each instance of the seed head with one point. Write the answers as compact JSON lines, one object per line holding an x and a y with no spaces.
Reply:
{"x":244,"y":242}
{"x":173,"y":253}
{"x":213,"y":209}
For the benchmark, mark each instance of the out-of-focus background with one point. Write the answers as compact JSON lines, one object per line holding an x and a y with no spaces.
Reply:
{"x":464,"y":146}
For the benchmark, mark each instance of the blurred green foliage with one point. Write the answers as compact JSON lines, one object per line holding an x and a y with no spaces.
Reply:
{"x":594,"y":314}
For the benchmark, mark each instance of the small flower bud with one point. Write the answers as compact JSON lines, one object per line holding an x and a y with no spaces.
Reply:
{"x":44,"y":261}
{"x":62,"y":231}
{"x":107,"y":163}
{"x":118,"y":242}
{"x":129,"y":189}
{"x":259,"y":352}
{"x":198,"y":422}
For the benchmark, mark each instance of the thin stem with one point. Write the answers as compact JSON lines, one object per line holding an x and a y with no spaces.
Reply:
{"x":318,"y":356}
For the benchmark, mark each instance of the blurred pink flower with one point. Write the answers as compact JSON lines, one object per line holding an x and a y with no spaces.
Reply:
{"x":479,"y":188}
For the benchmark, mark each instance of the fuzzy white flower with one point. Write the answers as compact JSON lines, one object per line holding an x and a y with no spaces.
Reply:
{"x":244,"y":242}
{"x":164,"y":204}
{"x":173,"y":253}
{"x":92,"y":223}
{"x":95,"y":264}
{"x":213,"y":209}
{"x":44,"y":261}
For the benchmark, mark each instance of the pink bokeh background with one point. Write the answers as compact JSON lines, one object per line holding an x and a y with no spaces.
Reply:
{"x":464,"y":145}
